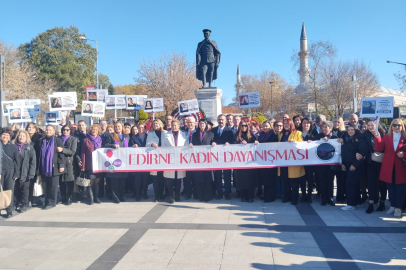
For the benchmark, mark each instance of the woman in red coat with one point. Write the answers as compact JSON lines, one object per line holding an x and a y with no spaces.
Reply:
{"x":393,"y":172}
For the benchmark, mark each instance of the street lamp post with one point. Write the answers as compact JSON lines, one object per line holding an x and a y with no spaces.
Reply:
{"x":97,"y":60}
{"x":271,"y":82}
{"x":389,"y":62}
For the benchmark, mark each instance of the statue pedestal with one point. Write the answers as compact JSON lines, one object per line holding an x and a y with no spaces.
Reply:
{"x":210,"y":102}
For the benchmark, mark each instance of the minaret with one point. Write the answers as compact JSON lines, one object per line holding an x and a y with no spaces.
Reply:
{"x":304,"y":70}
{"x":238,"y":85}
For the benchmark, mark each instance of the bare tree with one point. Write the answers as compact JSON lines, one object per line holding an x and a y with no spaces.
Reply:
{"x":260,"y":83}
{"x":320,"y":52}
{"x":171,"y":77}
{"x":22,"y":81}
{"x":401,"y":78}
{"x":337,"y":90}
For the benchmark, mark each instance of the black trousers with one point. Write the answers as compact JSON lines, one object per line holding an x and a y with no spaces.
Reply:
{"x":173,"y":185}
{"x":66,"y":187}
{"x":101,"y":187}
{"x":141,"y":181}
{"x":247,"y":193}
{"x":8,"y":183}
{"x":376,"y":188}
{"x":189,"y":184}
{"x":117,"y":187}
{"x":219,"y":182}
{"x":22,"y":190}
{"x":309,"y":179}
{"x":290,"y":185}
{"x":158,"y":184}
{"x":51,"y":189}
{"x":341,"y":186}
{"x":326,"y":182}
{"x":397,"y":192}
{"x":353,"y":183}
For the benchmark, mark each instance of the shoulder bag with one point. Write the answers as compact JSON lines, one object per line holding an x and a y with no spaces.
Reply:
{"x":377,"y":157}
{"x":5,"y":197}
{"x":81,"y":180}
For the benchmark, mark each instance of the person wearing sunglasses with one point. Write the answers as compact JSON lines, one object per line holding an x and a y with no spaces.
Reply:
{"x":392,"y":171}
{"x":66,"y":180}
{"x":245,"y":183}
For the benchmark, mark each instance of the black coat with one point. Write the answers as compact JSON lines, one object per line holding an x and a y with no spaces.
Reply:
{"x":247,"y":178}
{"x":80,"y":137}
{"x":369,"y":139}
{"x":10,"y":159}
{"x":28,"y":162}
{"x":311,"y":135}
{"x":208,"y":139}
{"x":58,"y":159}
{"x":202,"y":176}
{"x":35,"y":139}
{"x":69,"y":150}
{"x":350,"y":148}
{"x":226,"y":136}
{"x":137,"y":140}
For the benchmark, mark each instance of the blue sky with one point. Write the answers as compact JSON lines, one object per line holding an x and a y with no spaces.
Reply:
{"x":259,"y":35}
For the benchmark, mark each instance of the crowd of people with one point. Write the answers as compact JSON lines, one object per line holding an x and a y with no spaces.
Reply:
{"x":372,"y":169}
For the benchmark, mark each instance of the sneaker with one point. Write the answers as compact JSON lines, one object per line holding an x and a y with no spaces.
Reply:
{"x":348,"y":208}
{"x":391,"y":210}
{"x":398,"y":212}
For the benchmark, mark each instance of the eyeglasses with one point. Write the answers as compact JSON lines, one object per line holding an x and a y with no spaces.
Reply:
{"x":66,"y":129}
{"x":279,"y":125}
{"x":396,"y":125}
{"x":244,"y":125}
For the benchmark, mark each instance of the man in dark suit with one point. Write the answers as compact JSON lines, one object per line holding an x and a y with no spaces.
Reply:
{"x":223,"y":135}
{"x":188,"y":182}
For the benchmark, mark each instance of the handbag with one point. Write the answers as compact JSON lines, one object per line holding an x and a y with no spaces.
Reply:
{"x":81,"y":180}
{"x":5,"y":197}
{"x":377,"y":157}
{"x":38,"y":189}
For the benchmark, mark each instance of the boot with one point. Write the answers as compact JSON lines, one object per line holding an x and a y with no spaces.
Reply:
{"x":96,"y":193}
{"x":370,"y":208}
{"x":23,"y":208}
{"x":69,"y":200}
{"x":90,"y":195}
{"x":381,"y":207}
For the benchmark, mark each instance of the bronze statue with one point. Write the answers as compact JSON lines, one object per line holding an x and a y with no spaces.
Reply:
{"x":207,"y":59}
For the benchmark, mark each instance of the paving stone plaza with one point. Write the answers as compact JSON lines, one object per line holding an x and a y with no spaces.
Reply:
{"x":218,"y":235}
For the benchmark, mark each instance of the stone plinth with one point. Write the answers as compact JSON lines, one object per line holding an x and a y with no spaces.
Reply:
{"x":210,"y":102}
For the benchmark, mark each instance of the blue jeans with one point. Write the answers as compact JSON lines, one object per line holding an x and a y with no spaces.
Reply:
{"x":219,"y":182}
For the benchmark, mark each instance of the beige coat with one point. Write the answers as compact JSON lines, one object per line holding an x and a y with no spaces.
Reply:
{"x":153,"y":138}
{"x":167,"y":140}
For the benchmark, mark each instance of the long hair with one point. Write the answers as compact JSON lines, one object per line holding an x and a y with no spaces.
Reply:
{"x":380,"y":128}
{"x":122,"y":127}
{"x":239,"y":131}
{"x":16,"y":140}
{"x":340,"y":119}
{"x":390,"y":132}
{"x":291,"y":124}
{"x":204,"y":121}
{"x":161,"y":125}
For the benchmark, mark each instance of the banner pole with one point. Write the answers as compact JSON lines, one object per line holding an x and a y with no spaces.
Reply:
{"x":377,"y":123}
{"x":153,"y":116}
{"x":115,"y":113}
{"x":249,"y":112}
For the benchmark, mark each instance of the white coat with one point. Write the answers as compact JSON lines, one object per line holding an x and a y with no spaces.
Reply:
{"x":153,"y":138}
{"x":167,"y":140}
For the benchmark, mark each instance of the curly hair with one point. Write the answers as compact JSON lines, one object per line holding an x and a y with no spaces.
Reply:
{"x":7,"y":130}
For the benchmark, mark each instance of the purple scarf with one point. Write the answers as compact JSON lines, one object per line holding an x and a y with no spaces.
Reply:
{"x":96,"y":141}
{"x":20,"y":146}
{"x":125,"y":141}
{"x":328,"y":135}
{"x":64,"y":138}
{"x":47,"y":156}
{"x":263,"y":137}
{"x":202,"y":134}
